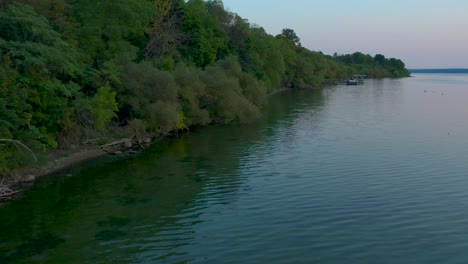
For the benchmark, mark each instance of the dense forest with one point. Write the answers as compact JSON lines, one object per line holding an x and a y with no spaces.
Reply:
{"x":75,"y":70}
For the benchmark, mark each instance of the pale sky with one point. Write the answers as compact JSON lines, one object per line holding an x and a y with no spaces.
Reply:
{"x":422,"y":33}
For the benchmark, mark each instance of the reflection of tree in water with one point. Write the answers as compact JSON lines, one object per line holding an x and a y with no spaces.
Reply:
{"x":145,"y":205}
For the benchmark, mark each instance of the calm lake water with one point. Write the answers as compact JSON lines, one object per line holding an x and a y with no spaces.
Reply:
{"x":350,"y":174}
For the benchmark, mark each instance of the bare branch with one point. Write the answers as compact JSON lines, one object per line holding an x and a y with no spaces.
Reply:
{"x":118,"y":142}
{"x":21,"y":144}
{"x":165,"y":33}
{"x":6,"y":193}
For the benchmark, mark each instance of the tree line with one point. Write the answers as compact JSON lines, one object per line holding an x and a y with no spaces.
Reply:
{"x":74,"y":70}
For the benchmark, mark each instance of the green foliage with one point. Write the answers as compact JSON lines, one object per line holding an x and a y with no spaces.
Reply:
{"x":69,"y":69}
{"x":163,"y":116}
{"x":310,"y":69}
{"x":224,"y":97}
{"x":14,"y":154}
{"x":291,"y":36}
{"x":101,"y":107}
{"x":180,"y":125}
{"x":288,"y":50}
{"x":253,"y":90}
{"x":59,"y":14}
{"x":38,"y":73}
{"x":374,"y":67}
{"x":34,"y":47}
{"x":267,"y":59}
{"x":150,"y":94}
{"x":191,"y":92}
{"x":110,"y":27}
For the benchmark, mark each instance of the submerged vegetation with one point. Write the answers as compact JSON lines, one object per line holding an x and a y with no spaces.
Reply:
{"x":72,"y":71}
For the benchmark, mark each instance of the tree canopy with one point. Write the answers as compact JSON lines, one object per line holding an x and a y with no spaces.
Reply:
{"x":76,"y":70}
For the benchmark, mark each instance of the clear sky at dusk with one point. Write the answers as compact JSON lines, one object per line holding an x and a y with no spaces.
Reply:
{"x":423,"y":33}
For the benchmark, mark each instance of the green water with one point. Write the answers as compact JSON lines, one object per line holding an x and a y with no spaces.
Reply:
{"x":368,"y":174}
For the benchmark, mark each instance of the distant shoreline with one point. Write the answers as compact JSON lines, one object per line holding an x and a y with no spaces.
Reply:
{"x":443,"y":70}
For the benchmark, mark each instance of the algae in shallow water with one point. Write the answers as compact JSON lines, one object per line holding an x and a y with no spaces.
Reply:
{"x":33,"y":246}
{"x":128,"y":200}
{"x":108,"y":235}
{"x":113,"y":221}
{"x":111,"y":234}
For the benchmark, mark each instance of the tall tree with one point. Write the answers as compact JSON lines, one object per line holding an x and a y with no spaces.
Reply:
{"x":290,"y":35}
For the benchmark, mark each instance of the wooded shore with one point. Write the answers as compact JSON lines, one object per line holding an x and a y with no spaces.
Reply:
{"x":77,"y":71}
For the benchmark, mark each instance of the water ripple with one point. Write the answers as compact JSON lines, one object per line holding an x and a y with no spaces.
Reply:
{"x":364,"y":174}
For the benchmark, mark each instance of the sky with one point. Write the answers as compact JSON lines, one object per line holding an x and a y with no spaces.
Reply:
{"x":422,"y":33}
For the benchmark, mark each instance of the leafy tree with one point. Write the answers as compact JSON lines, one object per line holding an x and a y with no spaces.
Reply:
{"x":374,"y":67}
{"x":241,"y":41}
{"x":289,"y":54}
{"x":267,"y":61}
{"x":101,"y":107}
{"x":59,"y":13}
{"x":45,"y":67}
{"x":224,"y":97}
{"x":290,"y":35}
{"x":110,"y":27}
{"x":191,"y":92}
{"x":380,"y":59}
{"x":151,"y":95}
{"x":204,"y":43}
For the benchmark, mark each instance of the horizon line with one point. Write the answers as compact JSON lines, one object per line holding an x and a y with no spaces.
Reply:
{"x":450,"y":68}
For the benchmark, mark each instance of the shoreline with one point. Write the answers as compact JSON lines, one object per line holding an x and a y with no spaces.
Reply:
{"x":13,"y":185}
{"x":23,"y":179}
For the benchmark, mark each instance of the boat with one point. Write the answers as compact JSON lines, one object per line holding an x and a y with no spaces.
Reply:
{"x":352,"y":81}
{"x":356,"y":79}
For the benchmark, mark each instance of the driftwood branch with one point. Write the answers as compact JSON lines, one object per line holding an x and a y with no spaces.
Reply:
{"x":21,"y":144}
{"x":5,"y":191}
{"x":118,"y":142}
{"x":139,"y":143}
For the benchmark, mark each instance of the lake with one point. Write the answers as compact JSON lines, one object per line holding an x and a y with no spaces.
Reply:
{"x":376,"y":173}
